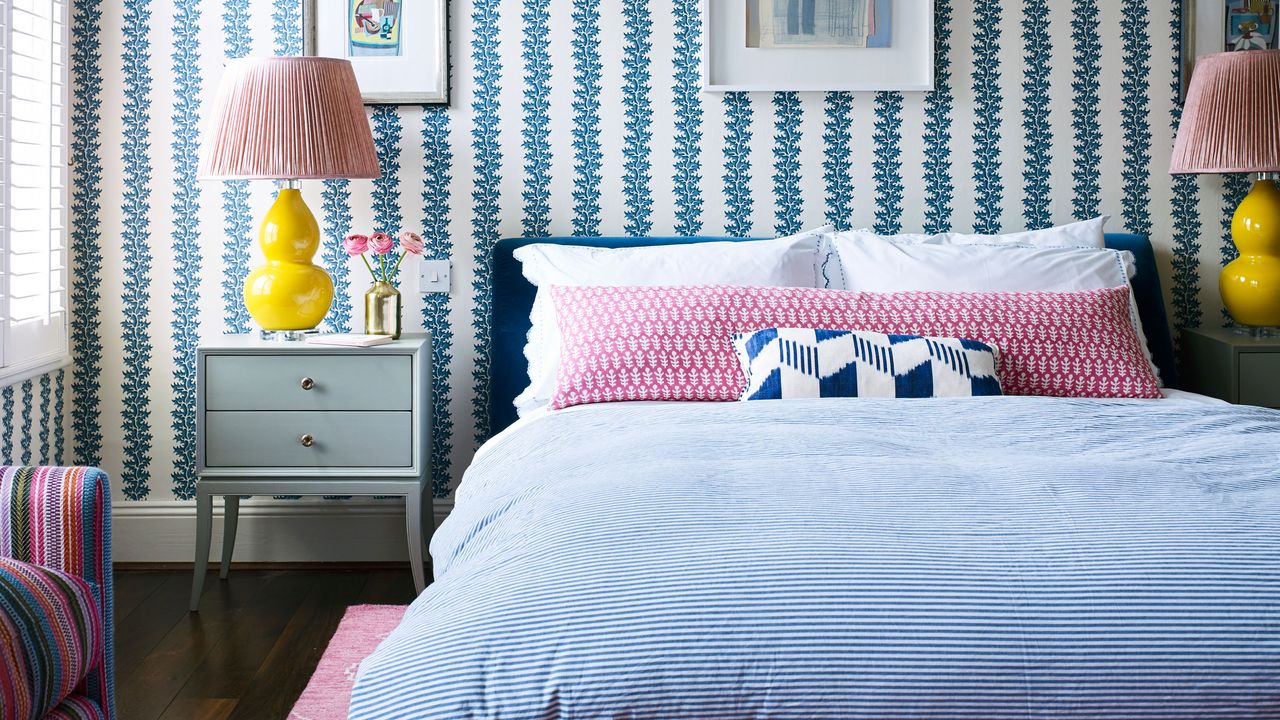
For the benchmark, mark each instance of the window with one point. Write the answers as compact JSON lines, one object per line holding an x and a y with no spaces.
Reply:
{"x":33,"y":187}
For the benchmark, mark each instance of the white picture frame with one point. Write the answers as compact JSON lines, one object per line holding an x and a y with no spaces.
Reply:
{"x":728,"y":65}
{"x":417,"y":75}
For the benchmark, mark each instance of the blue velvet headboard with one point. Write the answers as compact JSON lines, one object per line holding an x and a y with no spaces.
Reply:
{"x":513,"y":300}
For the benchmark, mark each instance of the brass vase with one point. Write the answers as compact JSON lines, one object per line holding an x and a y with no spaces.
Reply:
{"x":382,"y":310}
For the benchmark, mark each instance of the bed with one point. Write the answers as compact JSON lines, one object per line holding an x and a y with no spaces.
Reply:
{"x":1008,"y":557}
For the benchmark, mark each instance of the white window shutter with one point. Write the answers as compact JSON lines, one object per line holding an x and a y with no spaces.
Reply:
{"x":34,"y":192}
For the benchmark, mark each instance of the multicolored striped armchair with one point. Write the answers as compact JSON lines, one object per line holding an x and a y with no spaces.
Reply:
{"x":59,"y":519}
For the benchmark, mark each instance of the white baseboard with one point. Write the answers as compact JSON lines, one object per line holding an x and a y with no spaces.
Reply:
{"x":281,"y":531}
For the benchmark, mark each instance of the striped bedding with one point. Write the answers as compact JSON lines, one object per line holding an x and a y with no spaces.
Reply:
{"x":977,"y":558}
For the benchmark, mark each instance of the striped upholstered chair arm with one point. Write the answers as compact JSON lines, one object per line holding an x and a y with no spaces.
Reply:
{"x":60,"y":518}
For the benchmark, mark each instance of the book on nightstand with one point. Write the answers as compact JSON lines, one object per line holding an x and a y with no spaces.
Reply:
{"x":350,"y":340}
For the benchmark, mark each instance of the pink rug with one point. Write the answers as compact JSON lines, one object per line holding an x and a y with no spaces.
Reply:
{"x":329,"y":692}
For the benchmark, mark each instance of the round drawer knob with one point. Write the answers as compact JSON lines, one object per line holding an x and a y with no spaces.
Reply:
{"x":307,"y":441}
{"x":308,"y":383}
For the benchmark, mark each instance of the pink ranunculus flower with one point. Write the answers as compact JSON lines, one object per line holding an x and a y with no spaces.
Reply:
{"x":381,"y":243}
{"x":411,"y":242}
{"x":355,"y":244}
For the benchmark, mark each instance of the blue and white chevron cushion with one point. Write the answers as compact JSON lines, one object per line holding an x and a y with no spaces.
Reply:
{"x":802,"y":363}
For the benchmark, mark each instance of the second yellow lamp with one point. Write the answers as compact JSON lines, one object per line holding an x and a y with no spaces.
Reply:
{"x":1231,"y":124}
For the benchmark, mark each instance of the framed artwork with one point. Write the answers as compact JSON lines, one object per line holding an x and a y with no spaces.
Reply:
{"x":851,"y":45}
{"x":1249,"y":25}
{"x":1213,"y":26}
{"x":399,"y":48}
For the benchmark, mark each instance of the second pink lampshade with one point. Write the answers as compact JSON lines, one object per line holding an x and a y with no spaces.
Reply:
{"x":1231,"y":120}
{"x":289,"y":118}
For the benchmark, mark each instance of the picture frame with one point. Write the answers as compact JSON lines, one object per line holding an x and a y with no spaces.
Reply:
{"x":730,"y":62}
{"x":1205,"y":30}
{"x":1187,"y":49}
{"x":399,"y":49}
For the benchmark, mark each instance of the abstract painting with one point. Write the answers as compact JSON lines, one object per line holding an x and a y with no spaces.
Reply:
{"x":374,"y":30}
{"x":1250,"y":25}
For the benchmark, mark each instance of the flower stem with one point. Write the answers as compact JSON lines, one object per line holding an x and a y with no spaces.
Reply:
{"x":382,"y":259}
{"x":372,"y":274}
{"x":397,"y":268}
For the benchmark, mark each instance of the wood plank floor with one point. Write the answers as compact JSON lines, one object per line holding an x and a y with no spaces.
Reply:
{"x":250,"y":650}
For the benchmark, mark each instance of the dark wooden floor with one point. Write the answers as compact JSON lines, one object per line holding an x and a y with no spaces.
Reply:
{"x":250,"y":650}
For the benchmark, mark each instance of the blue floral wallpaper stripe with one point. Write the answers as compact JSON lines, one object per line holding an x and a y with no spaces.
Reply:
{"x":586,"y":117}
{"x":537,"y":118}
{"x":1136,"y":119}
{"x":437,"y":204}
{"x":788,"y":114}
{"x":85,"y":241}
{"x":939,"y":186}
{"x":387,"y":131}
{"x":638,"y":110}
{"x":1038,"y":148}
{"x":186,"y":242}
{"x":837,"y":163}
{"x":687,"y":177}
{"x":989,"y":105}
{"x":6,"y":442}
{"x":887,"y":141}
{"x":558,"y":107}
{"x":46,"y":409}
{"x":27,"y":421}
{"x":1086,"y":58}
{"x":335,"y":208}
{"x":737,"y":164}
{"x":136,"y":159}
{"x":58,"y":419}
{"x":485,"y":196}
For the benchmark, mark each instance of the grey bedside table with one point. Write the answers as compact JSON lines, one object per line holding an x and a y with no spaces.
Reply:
{"x":293,"y":418}
{"x":1232,"y":366}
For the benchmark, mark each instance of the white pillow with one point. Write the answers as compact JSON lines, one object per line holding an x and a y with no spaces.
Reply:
{"x":1086,"y":233}
{"x":873,"y":265}
{"x":784,"y":262}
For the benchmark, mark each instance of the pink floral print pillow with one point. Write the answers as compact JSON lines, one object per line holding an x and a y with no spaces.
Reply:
{"x":675,"y":343}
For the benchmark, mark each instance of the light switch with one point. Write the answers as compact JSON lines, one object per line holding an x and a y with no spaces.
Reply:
{"x":433,"y":276}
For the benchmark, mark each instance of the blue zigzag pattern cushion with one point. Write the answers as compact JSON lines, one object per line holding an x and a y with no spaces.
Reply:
{"x":804,"y":363}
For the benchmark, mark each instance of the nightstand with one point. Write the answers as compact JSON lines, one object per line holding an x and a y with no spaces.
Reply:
{"x":1232,"y":366}
{"x":294,"y":418}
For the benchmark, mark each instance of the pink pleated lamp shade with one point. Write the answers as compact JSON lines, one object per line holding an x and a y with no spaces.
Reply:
{"x":1231,"y":120}
{"x":289,"y":118}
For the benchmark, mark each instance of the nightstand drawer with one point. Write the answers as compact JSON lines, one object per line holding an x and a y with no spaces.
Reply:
{"x":308,"y":382}
{"x":280,"y":439}
{"x":1260,"y":379}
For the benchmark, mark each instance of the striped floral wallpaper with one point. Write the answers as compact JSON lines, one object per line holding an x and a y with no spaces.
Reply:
{"x":33,"y":420}
{"x":584,"y":116}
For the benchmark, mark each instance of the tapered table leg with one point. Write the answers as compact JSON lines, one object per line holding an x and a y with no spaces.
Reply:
{"x":230,"y":519}
{"x":204,"y":529}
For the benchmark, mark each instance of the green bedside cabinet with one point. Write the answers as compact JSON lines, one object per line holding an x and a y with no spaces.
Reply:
{"x":1235,"y":367}
{"x":293,"y":418}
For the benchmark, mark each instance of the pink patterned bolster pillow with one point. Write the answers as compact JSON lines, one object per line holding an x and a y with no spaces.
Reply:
{"x":674,"y":343}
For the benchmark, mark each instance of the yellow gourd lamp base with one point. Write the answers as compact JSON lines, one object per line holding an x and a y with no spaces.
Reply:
{"x":289,"y":294}
{"x":1250,"y":284}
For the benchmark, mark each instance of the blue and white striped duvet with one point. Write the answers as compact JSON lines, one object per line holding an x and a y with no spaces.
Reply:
{"x":977,"y":559}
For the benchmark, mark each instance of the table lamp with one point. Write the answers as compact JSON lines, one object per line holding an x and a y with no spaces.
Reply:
{"x":288,"y":119}
{"x":1231,"y":124}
